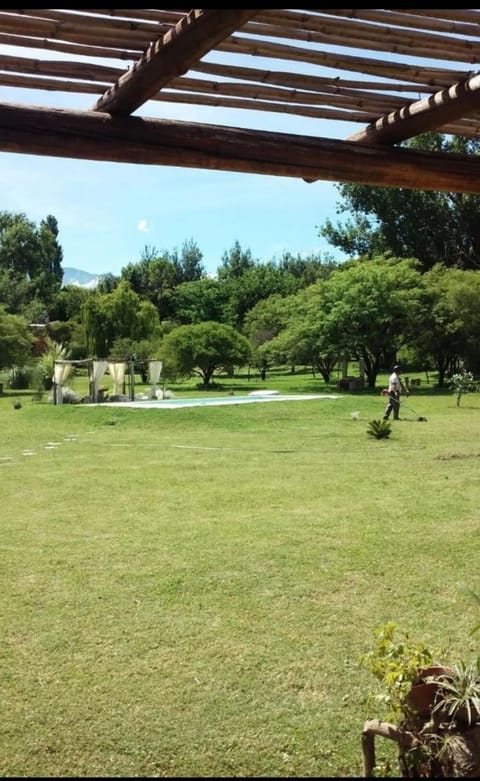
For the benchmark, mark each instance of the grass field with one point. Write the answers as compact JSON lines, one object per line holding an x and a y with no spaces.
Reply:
{"x":188,"y":592}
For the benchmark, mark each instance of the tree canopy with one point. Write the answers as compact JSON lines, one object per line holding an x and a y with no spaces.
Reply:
{"x":421,"y":300}
{"x":30,"y":264}
{"x":449,"y":330}
{"x":111,"y":316}
{"x":16,"y":340}
{"x":434,"y":227}
{"x":204,"y":348}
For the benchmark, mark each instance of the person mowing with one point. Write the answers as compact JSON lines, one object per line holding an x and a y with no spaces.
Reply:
{"x":395,"y":387}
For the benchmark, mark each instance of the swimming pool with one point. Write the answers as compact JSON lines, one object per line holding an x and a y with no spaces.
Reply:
{"x":214,"y":401}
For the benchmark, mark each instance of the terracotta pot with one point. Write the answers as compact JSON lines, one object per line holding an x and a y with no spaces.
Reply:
{"x":422,"y":695}
{"x":422,"y":698}
{"x":434,"y":669}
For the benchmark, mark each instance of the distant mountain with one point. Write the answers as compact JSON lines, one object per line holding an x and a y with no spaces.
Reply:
{"x":74,"y":276}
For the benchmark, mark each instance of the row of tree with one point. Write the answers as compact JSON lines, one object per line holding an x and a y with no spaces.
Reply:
{"x":409,"y":286}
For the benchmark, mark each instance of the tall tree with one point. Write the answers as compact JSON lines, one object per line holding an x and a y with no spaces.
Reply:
{"x":263,"y":323}
{"x":68,"y":303}
{"x":258,"y":282}
{"x":188,"y":265}
{"x":435,"y":227}
{"x":307,"y":269}
{"x":50,"y":223}
{"x":111,"y":316}
{"x":235,"y":262}
{"x":449,"y":333}
{"x":371,"y":310}
{"x":153,"y":278}
{"x":30,"y":263}
{"x":307,"y":338}
{"x":107,"y":283}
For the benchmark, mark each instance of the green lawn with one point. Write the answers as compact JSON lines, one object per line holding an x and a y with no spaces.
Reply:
{"x":188,"y":592}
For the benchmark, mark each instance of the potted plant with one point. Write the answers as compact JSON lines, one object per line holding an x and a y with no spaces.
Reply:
{"x":406,"y":669}
{"x":458,"y":695}
{"x":435,"y":708}
{"x":427,"y":688}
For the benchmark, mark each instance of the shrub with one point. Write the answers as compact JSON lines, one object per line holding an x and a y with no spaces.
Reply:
{"x":380,"y":429}
{"x":53,"y":351}
{"x":18,"y":377}
{"x":461,"y":383}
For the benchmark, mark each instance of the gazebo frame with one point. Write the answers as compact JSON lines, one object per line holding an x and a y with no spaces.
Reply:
{"x":398,"y":73}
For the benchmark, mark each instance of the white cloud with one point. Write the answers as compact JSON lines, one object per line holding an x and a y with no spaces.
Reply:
{"x":143,"y":226}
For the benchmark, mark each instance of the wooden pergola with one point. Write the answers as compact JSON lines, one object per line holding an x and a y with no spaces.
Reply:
{"x":396,"y":73}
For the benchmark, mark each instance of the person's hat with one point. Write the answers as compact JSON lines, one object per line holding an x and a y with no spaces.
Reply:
{"x":397,"y":368}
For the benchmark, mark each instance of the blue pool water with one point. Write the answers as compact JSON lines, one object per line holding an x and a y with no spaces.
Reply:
{"x":213,"y":401}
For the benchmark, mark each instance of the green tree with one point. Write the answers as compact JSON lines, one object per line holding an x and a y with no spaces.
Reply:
{"x":50,"y":224}
{"x":435,"y":227}
{"x":154,"y":277}
{"x":263,"y":323}
{"x":307,"y":270}
{"x":204,"y":348}
{"x":14,"y":291}
{"x":449,"y":332}
{"x":307,"y":338}
{"x":112,"y":316}
{"x":16,"y":340}
{"x":68,"y":302}
{"x":235,"y":262}
{"x":107,"y":283}
{"x":257,"y":283}
{"x":188,"y":265}
{"x":372,"y":310}
{"x":65,"y":323}
{"x":30,"y":263}
{"x":199,"y":301}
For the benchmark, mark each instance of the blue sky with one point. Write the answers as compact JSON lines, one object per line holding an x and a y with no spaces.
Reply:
{"x":108,"y":213}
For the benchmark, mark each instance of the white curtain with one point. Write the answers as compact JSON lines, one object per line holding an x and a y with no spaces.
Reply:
{"x":155,"y":369}
{"x":117,"y":371}
{"x":98,"y":370}
{"x":61,"y":372}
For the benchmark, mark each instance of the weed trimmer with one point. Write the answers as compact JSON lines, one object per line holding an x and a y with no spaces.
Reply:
{"x":420,"y":418}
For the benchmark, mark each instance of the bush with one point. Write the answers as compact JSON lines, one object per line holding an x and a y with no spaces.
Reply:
{"x":18,"y":378}
{"x":461,"y":383}
{"x":380,"y":429}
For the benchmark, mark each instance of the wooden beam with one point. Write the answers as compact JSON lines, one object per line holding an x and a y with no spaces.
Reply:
{"x":459,"y":100}
{"x":96,"y":136}
{"x":167,"y":58}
